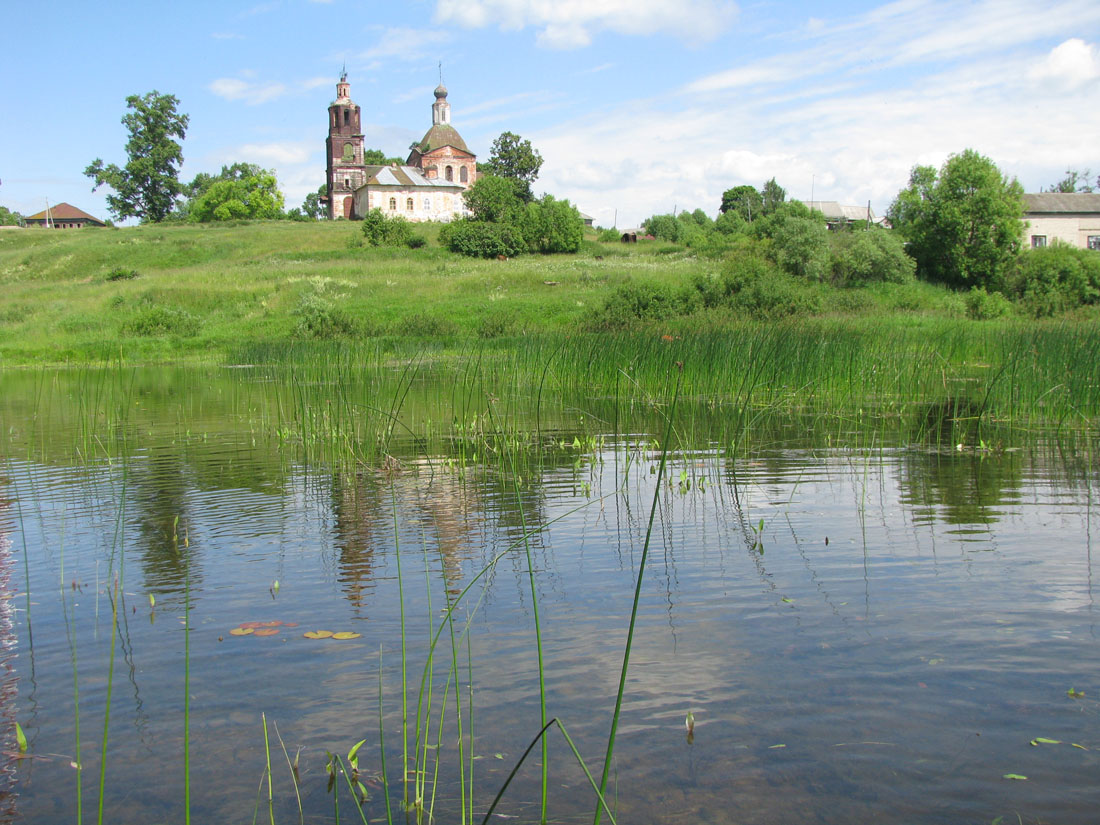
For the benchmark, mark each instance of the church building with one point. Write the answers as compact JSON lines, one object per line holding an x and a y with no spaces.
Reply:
{"x":428,"y":187}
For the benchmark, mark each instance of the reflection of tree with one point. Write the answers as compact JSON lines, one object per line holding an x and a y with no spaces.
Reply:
{"x":959,"y":488}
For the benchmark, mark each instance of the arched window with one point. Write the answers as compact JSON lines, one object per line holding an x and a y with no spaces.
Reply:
{"x":463,"y":175}
{"x":347,"y":117}
{"x":409,"y":204}
{"x":450,"y":173}
{"x":393,"y":204}
{"x":427,"y":203}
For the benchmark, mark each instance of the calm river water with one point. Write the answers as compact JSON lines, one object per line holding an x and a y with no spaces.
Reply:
{"x":885,"y":634}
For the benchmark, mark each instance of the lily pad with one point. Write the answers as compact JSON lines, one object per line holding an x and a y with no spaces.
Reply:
{"x":242,"y":631}
{"x":252,"y":625}
{"x":265,"y":631}
{"x":318,"y":634}
{"x":346,"y":634}
{"x":270,"y":624}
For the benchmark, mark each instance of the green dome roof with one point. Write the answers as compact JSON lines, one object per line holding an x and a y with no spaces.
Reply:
{"x":442,"y":134}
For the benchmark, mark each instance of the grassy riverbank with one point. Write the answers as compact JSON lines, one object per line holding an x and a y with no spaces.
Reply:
{"x":198,"y":292}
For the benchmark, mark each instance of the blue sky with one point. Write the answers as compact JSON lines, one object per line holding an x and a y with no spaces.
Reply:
{"x":637,"y":106}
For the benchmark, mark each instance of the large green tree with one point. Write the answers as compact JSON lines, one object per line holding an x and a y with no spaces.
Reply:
{"x":314,"y":204}
{"x":10,"y":218}
{"x":148,"y":185}
{"x":744,"y":201}
{"x":493,"y":199}
{"x":241,"y":191}
{"x":964,"y":223}
{"x":514,"y":158}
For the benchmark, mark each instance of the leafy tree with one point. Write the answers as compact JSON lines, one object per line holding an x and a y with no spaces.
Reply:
{"x":743,"y":200}
{"x":1075,"y":181}
{"x":772,"y":195}
{"x":514,"y":158}
{"x":493,"y":198}
{"x":376,"y":157}
{"x":964,"y":224}
{"x":664,"y":227}
{"x":314,"y":204}
{"x":10,"y":218}
{"x":801,"y":247}
{"x":549,"y":225}
{"x":147,"y":186}
{"x":242,"y":191}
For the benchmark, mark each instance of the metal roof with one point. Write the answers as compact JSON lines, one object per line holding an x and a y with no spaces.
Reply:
{"x":406,"y":177}
{"x":442,"y":134}
{"x":1061,"y":202}
{"x":836,"y":211}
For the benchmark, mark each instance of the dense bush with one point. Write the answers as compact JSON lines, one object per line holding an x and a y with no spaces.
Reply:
{"x":801,"y":247}
{"x":1056,"y":278}
{"x":608,"y":235}
{"x":869,"y":256}
{"x":319,"y":317}
{"x":550,"y":225}
{"x":482,"y":239}
{"x":985,"y":306}
{"x":380,"y":230}
{"x":121,"y":273}
{"x":156,"y":321}
{"x":635,"y":302}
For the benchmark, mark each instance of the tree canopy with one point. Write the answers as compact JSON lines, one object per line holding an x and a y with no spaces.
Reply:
{"x":964,"y":224}
{"x":314,"y":204}
{"x":514,"y":158}
{"x":10,"y":218}
{"x":1075,"y":181}
{"x":240,"y":191}
{"x":148,"y":185}
{"x":376,"y":157}
{"x":743,"y":201}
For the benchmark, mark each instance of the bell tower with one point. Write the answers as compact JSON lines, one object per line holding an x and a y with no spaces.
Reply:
{"x":344,"y":150}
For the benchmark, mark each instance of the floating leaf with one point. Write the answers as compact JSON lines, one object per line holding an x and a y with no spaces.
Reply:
{"x":689,"y":722}
{"x":275,"y":586}
{"x":788,"y":601}
{"x":498,"y":756}
{"x":1039,"y":740}
{"x":21,"y":738}
{"x":346,"y":634}
{"x":152,"y":601}
{"x":1075,"y":745}
{"x":1075,"y":694}
{"x":252,"y":625}
{"x":270,"y":624}
{"x":242,"y":631}
{"x":1016,"y":776}
{"x":290,"y":624}
{"x":265,"y":631}
{"x":317,"y":634}
{"x":775,"y":747}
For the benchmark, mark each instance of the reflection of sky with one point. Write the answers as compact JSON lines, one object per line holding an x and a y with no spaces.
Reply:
{"x":902,"y":656}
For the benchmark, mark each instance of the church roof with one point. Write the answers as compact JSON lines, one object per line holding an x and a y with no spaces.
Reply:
{"x":64,"y":212}
{"x":404,"y":176}
{"x":442,"y":134}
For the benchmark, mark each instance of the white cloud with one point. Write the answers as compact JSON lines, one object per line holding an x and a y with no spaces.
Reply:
{"x":278,"y":153}
{"x":233,"y":88}
{"x":407,"y":44}
{"x":1071,"y":64}
{"x":570,"y":24}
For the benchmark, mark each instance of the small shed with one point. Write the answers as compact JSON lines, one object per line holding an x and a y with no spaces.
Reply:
{"x":63,"y":216}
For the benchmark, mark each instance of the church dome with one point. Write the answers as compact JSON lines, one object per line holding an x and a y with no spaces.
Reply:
{"x":440,"y":92}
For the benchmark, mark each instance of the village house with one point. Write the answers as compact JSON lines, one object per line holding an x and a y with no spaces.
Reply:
{"x":428,"y":187}
{"x":63,"y":216}
{"x":1070,"y":217}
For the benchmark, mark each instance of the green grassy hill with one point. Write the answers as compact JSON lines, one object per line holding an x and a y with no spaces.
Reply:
{"x":170,"y":292}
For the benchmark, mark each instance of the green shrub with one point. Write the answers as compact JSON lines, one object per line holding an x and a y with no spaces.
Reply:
{"x":549,"y":225}
{"x":380,"y":230}
{"x":482,"y":239}
{"x":801,"y":247}
{"x":156,"y":321}
{"x":424,"y":325}
{"x":319,"y":318}
{"x":497,"y":324}
{"x":608,"y":235}
{"x":754,"y":287}
{"x":868,"y":256}
{"x":121,"y":273}
{"x":416,"y":242}
{"x":985,"y":306}
{"x":635,"y":302}
{"x":1056,"y":278}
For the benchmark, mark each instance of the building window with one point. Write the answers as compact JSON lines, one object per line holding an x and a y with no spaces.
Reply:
{"x":347,"y":117}
{"x":1038,"y":241}
{"x":1094,"y":242}
{"x":409,"y":204}
{"x":463,"y":175}
{"x":427,"y":203}
{"x":450,"y":173}
{"x":347,"y":183}
{"x":393,"y":204}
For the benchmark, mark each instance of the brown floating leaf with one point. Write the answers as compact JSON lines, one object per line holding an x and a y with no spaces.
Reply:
{"x":317,"y":634}
{"x":270,"y":624}
{"x":265,"y":631}
{"x":242,"y":631}
{"x":290,"y":624}
{"x":252,"y":625}
{"x":346,"y":634}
